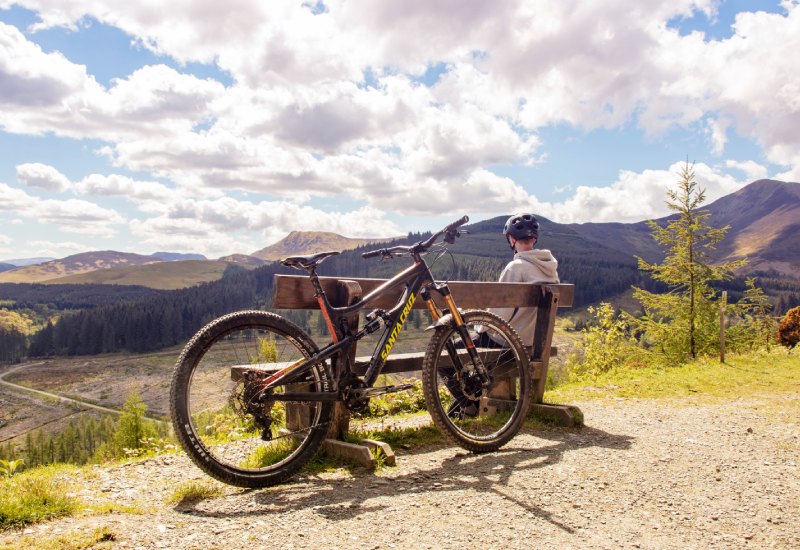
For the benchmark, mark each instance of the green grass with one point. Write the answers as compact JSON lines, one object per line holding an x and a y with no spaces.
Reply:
{"x":398,"y":436}
{"x":270,"y":453}
{"x":194,"y":491}
{"x":748,"y":375}
{"x":36,"y":495}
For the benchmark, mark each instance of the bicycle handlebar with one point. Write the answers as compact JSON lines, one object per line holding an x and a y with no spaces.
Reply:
{"x":421,"y":246}
{"x":373,"y":253}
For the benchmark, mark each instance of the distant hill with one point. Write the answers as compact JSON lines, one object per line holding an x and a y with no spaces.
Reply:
{"x":765,"y":225}
{"x":7,"y":267}
{"x":248,"y":262}
{"x":72,"y":265}
{"x":177,"y":256}
{"x":310,"y":242}
{"x":161,"y":275}
{"x":764,"y":220}
{"x":21,"y":262}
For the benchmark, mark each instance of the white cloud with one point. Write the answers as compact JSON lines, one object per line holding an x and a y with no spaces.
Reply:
{"x":4,"y":242}
{"x":56,"y":249}
{"x":42,"y":176}
{"x":116,"y":185}
{"x":637,"y":196}
{"x":226,"y":225}
{"x":72,"y":215}
{"x":751,"y":169}
{"x":45,"y":92}
{"x":15,"y":200}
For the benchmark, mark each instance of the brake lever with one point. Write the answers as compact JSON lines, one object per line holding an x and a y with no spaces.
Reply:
{"x":451,"y":236}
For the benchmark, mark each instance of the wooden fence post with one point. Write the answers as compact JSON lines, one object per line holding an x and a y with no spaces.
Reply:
{"x":722,"y":305}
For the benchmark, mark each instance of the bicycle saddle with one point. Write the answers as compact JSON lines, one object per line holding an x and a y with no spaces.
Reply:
{"x":307,"y":261}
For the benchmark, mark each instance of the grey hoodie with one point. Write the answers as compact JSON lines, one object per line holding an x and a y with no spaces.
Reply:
{"x":530,"y":266}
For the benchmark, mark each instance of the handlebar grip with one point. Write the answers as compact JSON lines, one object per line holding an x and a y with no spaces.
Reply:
{"x":456,"y":224}
{"x":373,"y":253}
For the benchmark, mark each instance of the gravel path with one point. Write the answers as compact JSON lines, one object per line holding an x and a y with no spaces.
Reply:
{"x":641,"y":474}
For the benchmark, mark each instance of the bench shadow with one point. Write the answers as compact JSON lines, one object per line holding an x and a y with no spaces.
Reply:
{"x":343,"y":499}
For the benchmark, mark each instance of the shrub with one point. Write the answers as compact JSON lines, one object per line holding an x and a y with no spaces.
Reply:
{"x":789,"y":329}
{"x":607,"y":343}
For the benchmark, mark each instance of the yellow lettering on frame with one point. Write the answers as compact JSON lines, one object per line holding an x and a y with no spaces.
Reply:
{"x":398,"y":327}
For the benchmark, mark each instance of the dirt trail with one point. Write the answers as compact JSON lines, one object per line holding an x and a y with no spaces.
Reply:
{"x":48,"y":395}
{"x":641,"y":474}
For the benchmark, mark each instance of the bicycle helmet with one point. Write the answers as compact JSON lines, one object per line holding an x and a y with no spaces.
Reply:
{"x":521,"y":227}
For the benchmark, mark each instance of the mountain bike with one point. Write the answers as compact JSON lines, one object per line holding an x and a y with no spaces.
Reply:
{"x":252,"y":395}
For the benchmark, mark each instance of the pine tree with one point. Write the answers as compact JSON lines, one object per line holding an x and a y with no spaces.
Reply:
{"x":133,"y":427}
{"x":684,"y":321}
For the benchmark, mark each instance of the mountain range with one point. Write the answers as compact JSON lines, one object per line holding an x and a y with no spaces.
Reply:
{"x":763,"y":220}
{"x":165,"y":270}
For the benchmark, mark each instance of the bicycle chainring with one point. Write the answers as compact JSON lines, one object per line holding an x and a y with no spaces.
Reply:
{"x":353,"y":399}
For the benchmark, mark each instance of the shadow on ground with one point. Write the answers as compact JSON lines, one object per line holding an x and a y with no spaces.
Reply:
{"x":342,"y":499}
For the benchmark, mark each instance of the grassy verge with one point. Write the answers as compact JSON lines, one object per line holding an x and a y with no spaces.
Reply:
{"x":396,"y":435}
{"x":36,"y":495}
{"x":755,"y":374}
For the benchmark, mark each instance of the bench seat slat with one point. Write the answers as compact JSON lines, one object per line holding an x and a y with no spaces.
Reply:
{"x":397,"y":363}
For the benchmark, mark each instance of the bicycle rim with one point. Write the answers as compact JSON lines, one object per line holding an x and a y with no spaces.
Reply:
{"x":475,"y":417}
{"x":230,"y":426}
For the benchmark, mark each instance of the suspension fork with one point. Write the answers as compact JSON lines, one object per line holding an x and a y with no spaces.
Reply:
{"x":462,"y":330}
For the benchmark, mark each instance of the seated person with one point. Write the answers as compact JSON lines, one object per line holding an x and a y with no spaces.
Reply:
{"x":528,"y":266}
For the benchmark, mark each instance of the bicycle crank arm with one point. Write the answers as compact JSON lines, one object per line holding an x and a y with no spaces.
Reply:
{"x":305,"y":396}
{"x":380,"y":390}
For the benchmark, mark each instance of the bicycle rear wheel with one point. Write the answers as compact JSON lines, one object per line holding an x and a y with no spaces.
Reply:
{"x":224,"y":420}
{"x":477,"y":418}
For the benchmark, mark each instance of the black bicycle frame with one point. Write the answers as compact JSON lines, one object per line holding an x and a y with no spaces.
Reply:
{"x":416,"y":279}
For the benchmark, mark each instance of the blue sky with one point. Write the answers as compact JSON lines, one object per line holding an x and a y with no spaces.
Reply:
{"x":210,"y":128}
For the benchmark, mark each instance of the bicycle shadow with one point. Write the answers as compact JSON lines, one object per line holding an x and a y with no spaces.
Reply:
{"x":345,"y":499}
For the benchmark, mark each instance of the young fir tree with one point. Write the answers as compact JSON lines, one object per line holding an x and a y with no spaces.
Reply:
{"x":684,"y":321}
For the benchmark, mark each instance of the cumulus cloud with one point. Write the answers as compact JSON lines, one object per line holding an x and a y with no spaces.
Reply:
{"x":116,"y":185}
{"x":72,"y":215}
{"x":45,"y":92}
{"x":56,"y":249}
{"x":5,"y":240}
{"x":637,"y":196}
{"x":751,"y":169}
{"x":223,"y":226}
{"x":42,"y":176}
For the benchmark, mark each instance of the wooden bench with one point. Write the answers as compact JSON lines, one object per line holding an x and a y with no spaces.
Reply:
{"x":296,"y":292}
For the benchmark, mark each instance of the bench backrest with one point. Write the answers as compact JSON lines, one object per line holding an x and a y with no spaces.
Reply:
{"x":296,"y":292}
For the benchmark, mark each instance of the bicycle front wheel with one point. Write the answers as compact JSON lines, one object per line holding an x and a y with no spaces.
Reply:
{"x":226,"y":422}
{"x":475,"y":417}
